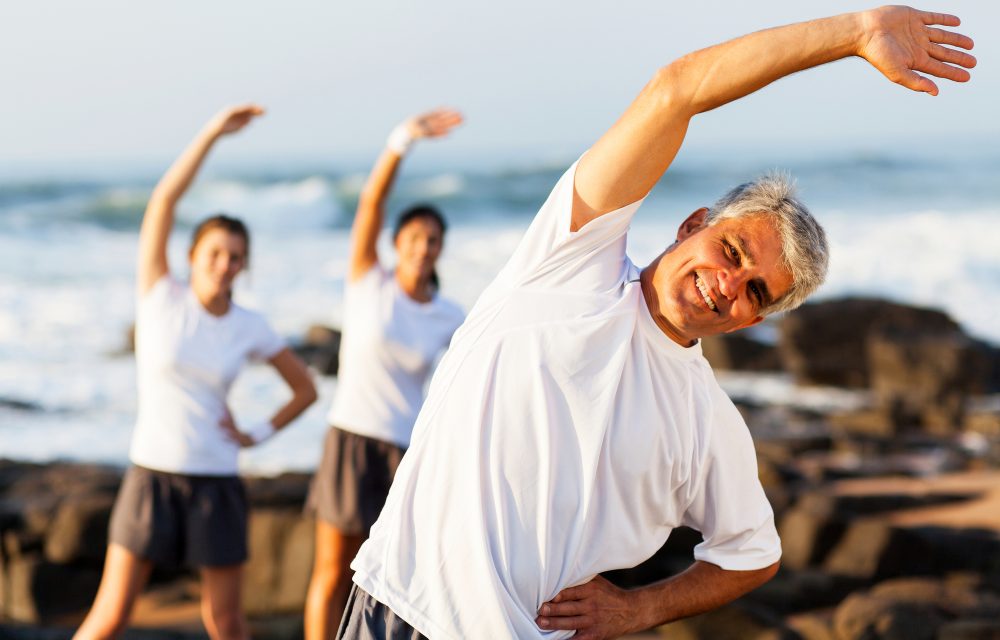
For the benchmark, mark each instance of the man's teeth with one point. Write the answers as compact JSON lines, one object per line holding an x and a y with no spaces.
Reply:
{"x":704,"y":292}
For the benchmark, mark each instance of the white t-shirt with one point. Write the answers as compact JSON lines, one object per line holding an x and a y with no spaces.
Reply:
{"x":387,"y":350}
{"x":187,"y":359}
{"x":563,"y":435}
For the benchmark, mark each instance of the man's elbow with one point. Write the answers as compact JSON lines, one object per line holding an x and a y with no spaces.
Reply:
{"x":764,"y":575}
{"x":671,"y":88}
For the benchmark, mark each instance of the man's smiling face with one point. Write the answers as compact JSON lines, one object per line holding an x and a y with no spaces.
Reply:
{"x":716,"y":279}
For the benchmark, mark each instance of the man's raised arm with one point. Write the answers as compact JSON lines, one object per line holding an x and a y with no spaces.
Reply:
{"x":626,"y":162}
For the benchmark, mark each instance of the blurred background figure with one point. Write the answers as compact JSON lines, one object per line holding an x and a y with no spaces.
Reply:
{"x":181,"y":501}
{"x":395,"y":327}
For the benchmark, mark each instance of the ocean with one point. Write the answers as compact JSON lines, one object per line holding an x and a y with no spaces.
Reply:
{"x":919,"y":229}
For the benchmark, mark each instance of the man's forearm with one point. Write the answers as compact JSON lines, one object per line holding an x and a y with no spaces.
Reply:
{"x":712,"y":77}
{"x":700,"y":588}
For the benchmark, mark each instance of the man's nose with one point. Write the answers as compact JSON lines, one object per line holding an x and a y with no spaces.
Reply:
{"x":731,"y":281}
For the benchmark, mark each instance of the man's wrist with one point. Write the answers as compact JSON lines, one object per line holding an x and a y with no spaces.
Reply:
{"x":862,"y":28}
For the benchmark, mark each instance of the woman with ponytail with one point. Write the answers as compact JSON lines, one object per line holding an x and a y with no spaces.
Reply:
{"x":181,"y":502}
{"x":395,"y":327}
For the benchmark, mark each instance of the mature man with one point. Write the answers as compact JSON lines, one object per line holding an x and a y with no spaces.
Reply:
{"x":574,"y":423}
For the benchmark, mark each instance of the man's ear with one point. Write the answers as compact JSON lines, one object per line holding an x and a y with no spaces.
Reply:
{"x":691,"y":224}
{"x":748,"y":323}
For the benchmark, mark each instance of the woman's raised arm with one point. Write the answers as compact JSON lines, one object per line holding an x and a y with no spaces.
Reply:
{"x":371,"y":205}
{"x":158,"y":220}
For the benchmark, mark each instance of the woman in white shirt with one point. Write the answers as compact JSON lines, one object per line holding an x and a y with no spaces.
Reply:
{"x":181,"y":501}
{"x":395,"y":327}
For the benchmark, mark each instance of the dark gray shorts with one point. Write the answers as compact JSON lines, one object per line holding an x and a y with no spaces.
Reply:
{"x":352,"y":481}
{"x":175,"y":519}
{"x":365,"y":618}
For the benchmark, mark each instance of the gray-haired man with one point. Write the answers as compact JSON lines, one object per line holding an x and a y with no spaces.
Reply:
{"x":573,"y":423}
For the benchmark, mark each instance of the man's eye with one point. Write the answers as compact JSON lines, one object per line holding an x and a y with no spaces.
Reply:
{"x":733,"y":252}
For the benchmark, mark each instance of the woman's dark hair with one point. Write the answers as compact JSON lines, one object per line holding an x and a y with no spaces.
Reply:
{"x":226,"y":223}
{"x":421,"y":211}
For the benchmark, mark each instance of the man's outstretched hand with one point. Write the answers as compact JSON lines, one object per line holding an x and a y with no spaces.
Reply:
{"x":902,"y":43}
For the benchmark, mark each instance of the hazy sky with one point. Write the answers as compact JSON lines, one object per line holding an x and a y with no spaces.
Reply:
{"x":113,"y":82}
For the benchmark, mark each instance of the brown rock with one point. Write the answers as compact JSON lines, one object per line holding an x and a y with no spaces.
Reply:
{"x":281,"y":553}
{"x":737,"y":621}
{"x":826,"y":343}
{"x":861,"y":550}
{"x":79,"y":532}
{"x":863,"y":617}
{"x":973,"y":629}
{"x":812,"y":626}
{"x":736,"y":352}
{"x":922,"y":377}
{"x":321,"y":349}
{"x":36,"y":590}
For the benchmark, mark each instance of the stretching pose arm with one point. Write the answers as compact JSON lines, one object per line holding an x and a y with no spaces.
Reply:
{"x":295,"y":374}
{"x":371,"y":204}
{"x":159,"y":217}
{"x":628,"y":160}
{"x":599,"y":609}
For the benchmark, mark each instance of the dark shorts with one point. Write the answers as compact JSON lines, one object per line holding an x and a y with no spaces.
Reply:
{"x":174,"y":519}
{"x":365,"y":618}
{"x":352,"y":481}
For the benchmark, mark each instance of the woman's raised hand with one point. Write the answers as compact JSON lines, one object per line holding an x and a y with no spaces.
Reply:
{"x":232,"y":119}
{"x":433,"y":124}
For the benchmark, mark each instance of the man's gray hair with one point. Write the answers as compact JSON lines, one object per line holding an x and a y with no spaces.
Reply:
{"x":804,"y":247}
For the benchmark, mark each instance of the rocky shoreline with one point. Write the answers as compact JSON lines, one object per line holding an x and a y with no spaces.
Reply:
{"x":889,"y":512}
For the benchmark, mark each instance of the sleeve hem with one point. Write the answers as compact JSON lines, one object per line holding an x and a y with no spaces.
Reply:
{"x":739,"y":561}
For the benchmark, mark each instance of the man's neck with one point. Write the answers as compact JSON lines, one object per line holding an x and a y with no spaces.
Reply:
{"x":652,"y":301}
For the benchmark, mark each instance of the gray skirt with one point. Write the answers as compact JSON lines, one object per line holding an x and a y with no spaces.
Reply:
{"x":174,"y":519}
{"x":352,"y":482}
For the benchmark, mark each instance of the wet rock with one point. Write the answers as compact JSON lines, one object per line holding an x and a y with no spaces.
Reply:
{"x":736,"y":352}
{"x":37,"y":590}
{"x":285,"y":490}
{"x":922,"y":377}
{"x":737,"y":621}
{"x":320,"y":348}
{"x":79,"y":531}
{"x":860,"y":551}
{"x":792,"y":591}
{"x":918,"y":362}
{"x":972,"y":629}
{"x":825,"y":343}
{"x":812,"y":625}
{"x":281,"y":553}
{"x":807,"y":536}
{"x":862,"y":617}
{"x":916,"y":608}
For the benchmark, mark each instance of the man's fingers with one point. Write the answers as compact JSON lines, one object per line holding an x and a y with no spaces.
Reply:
{"x":569,"y":622}
{"x":562,"y":609}
{"x":916,"y":82}
{"x":571,"y":593}
{"x":950,"y":38}
{"x":946,"y":19}
{"x":951,"y":56}
{"x":946,"y":71}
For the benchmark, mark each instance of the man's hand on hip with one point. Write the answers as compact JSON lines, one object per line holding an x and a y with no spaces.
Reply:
{"x":596,"y":610}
